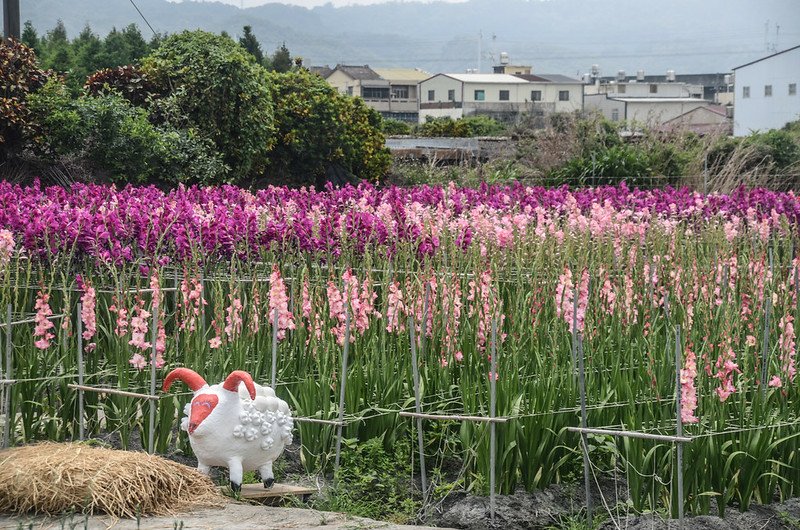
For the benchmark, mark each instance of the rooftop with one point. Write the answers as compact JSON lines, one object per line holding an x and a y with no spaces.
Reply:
{"x":402,"y":74}
{"x":363,"y":72}
{"x":502,"y":79}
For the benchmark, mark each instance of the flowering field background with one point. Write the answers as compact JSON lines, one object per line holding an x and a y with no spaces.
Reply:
{"x":218,"y":262}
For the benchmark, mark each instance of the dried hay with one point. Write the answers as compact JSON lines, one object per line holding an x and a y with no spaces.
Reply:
{"x":53,"y":478}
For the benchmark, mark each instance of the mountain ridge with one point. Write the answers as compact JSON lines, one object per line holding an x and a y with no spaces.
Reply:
{"x":558,"y":36}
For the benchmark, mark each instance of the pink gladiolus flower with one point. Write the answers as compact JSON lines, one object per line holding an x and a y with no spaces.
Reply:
{"x":138,"y":361}
{"x":233,"y":318}
{"x":139,"y":326}
{"x":214,"y":343}
{"x":459,"y":356}
{"x":775,"y":382}
{"x":88,"y":317}
{"x":7,"y":245}
{"x":787,"y":347}
{"x":395,"y":309}
{"x":750,"y":341}
{"x":279,"y":301}
{"x":688,"y":391}
{"x":43,"y":325}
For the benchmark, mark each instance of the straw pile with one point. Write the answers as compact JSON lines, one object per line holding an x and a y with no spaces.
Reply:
{"x":52,"y":479}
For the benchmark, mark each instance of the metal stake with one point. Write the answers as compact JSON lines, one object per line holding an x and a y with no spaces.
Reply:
{"x":492,"y":425}
{"x":679,"y":423}
{"x":151,"y":440}
{"x":274,"y":371}
{"x":418,"y":406}
{"x":343,"y":382}
{"x":7,"y":388}
{"x":584,"y":437}
{"x":765,"y":345}
{"x":81,"y":424}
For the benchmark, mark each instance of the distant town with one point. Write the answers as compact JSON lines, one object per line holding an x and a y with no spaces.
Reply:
{"x":756,"y":96}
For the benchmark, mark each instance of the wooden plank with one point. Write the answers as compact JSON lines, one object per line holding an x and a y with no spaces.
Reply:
{"x":257,"y":492}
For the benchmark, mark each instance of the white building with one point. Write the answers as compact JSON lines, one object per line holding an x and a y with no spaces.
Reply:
{"x":766,"y":92}
{"x":646,"y":110}
{"x":501,"y":96}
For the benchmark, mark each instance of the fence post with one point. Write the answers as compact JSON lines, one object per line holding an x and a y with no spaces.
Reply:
{"x":7,"y":388}
{"x":418,"y":405}
{"x":81,"y":425}
{"x":705,"y":175}
{"x":679,"y":423}
{"x":274,"y":370}
{"x":151,"y":440}
{"x":342,"y":386}
{"x":492,"y":415}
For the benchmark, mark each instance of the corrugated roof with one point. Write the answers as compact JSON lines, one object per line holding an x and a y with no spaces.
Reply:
{"x":505,"y":79}
{"x":402,"y":74}
{"x":358,"y":72}
{"x":561,"y":79}
{"x":661,"y":100}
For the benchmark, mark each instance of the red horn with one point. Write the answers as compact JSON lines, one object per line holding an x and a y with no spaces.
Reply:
{"x":239,"y":376}
{"x":190,"y":377}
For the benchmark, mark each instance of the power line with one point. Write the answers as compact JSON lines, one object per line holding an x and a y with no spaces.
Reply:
{"x":143,"y":17}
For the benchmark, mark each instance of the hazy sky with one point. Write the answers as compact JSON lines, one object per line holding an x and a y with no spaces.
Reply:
{"x":313,"y":3}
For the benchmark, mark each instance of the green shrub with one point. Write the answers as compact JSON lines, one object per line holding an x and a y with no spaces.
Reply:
{"x":375,"y":482}
{"x":607,"y":166}
{"x":318,"y":127}
{"x":392,"y":127}
{"x":19,"y":77}
{"x":118,"y":140}
{"x":461,"y":128}
{"x":222,"y":94}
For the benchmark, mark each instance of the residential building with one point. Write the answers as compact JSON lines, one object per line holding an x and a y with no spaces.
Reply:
{"x":390,"y":91}
{"x":714,"y":87}
{"x":641,"y":89}
{"x":650,"y":110}
{"x":403,"y":102}
{"x":711,"y":119}
{"x":766,"y":92}
{"x":501,"y":96}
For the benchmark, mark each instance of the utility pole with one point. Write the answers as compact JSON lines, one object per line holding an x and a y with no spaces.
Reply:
{"x":11,"y":18}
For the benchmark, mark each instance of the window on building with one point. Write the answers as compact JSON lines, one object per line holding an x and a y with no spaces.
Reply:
{"x":451,"y":95}
{"x":654,"y":89}
{"x":745,"y":92}
{"x":536,"y":95}
{"x":431,"y":95}
{"x":400,"y":92}
{"x":792,"y":89}
{"x":614,"y":114}
{"x":480,"y":95}
{"x":767,"y":91}
{"x":563,"y":95}
{"x":504,"y":95}
{"x":368,"y":92}
{"x":349,"y":91}
{"x":621,"y":88}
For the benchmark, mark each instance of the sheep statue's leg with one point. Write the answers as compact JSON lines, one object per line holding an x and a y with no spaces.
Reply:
{"x":235,"y":473}
{"x":266,"y":475}
{"x":202,"y":468}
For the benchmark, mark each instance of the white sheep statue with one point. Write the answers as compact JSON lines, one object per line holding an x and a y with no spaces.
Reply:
{"x":236,"y":424}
